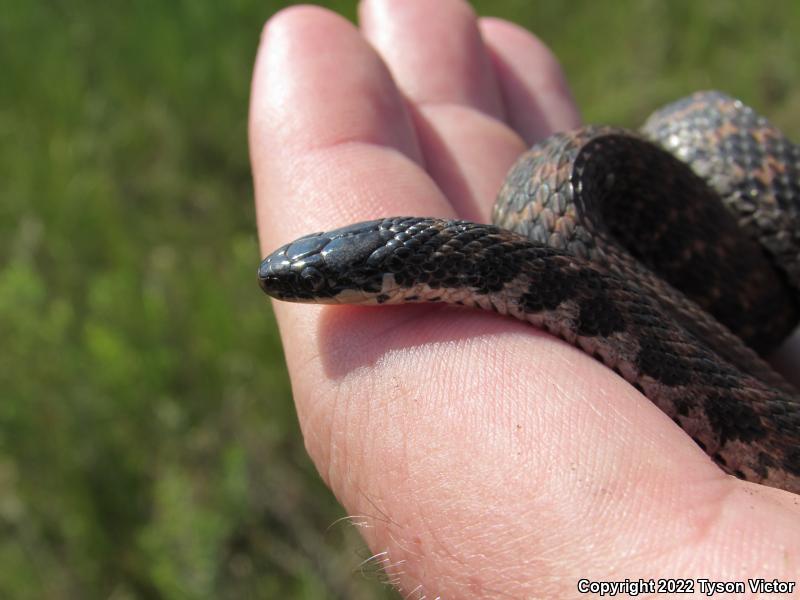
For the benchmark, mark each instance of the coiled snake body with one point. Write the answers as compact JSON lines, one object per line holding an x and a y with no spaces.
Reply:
{"x":594,"y":233}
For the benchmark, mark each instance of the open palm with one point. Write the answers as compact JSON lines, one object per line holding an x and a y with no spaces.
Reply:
{"x":488,"y":458}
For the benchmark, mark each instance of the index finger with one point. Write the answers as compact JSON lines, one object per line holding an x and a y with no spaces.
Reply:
{"x":331,"y":140}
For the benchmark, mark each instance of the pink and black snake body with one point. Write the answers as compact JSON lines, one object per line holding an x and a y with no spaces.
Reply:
{"x":672,"y":255}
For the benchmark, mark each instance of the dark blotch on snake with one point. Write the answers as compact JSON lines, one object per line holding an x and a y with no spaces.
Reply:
{"x":733,"y":419}
{"x":657,"y":359}
{"x":599,"y":316}
{"x":791,"y":461}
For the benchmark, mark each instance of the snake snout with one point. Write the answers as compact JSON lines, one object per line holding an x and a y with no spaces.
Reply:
{"x":273,"y":273}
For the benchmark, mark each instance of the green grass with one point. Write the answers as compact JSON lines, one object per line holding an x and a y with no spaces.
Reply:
{"x":148,"y":443}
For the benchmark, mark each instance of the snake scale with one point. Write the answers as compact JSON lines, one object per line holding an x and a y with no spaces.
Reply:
{"x":594,"y":233}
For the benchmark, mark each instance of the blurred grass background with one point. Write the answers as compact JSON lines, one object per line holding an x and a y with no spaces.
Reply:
{"x":148,"y":442}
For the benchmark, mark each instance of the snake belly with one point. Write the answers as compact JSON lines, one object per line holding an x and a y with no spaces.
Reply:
{"x":671,"y":255}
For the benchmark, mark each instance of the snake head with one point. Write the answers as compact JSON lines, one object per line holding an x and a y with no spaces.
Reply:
{"x":398,"y":259}
{"x":341,"y":266}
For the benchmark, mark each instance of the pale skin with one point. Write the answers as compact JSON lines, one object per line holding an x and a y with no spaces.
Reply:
{"x":485,"y":458}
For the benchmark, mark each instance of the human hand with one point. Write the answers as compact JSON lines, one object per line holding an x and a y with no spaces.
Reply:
{"x":488,"y":458}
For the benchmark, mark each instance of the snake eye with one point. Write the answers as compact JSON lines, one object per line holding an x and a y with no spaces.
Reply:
{"x":312,"y":278}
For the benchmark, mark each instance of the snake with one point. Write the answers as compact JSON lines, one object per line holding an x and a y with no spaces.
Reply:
{"x":670,"y":254}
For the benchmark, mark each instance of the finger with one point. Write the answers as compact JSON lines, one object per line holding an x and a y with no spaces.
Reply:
{"x":434,"y":50}
{"x":437,"y":57}
{"x":328,"y":150}
{"x":468,"y":156}
{"x":536,"y":96}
